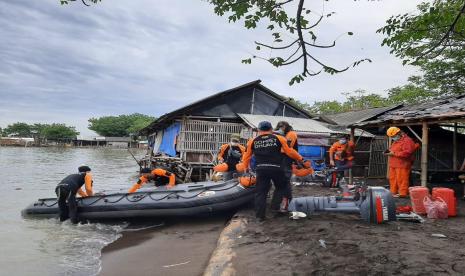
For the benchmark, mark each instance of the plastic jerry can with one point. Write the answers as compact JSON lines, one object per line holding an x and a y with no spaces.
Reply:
{"x":448,"y":196}
{"x":417,"y":194}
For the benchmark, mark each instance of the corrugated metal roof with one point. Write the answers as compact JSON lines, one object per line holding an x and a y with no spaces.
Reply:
{"x":446,"y":108}
{"x":352,"y":117}
{"x":298,"y":124}
{"x":181,"y":111}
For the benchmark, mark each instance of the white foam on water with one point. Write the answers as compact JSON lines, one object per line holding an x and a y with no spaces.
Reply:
{"x":76,"y":249}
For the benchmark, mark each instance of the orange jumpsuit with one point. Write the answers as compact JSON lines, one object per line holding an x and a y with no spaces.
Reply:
{"x":400,"y":164}
{"x":155,"y":172}
{"x":342,"y":152}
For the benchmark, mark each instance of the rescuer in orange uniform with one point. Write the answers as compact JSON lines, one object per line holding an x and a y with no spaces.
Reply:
{"x":268,"y":150}
{"x":160,"y":176}
{"x":341,"y":155}
{"x":66,"y":192}
{"x":230,"y":154}
{"x":400,"y":161}
{"x":284,"y":129}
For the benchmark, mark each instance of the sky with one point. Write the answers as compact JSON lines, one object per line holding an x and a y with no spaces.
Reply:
{"x":66,"y":64}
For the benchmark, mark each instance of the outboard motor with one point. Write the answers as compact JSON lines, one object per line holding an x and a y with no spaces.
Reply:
{"x":376,"y":206}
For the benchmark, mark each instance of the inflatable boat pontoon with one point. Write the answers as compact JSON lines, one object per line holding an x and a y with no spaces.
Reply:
{"x":182,"y":200}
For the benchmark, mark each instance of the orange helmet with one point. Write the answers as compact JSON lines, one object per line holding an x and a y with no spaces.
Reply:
{"x":247,"y":180}
{"x":392,"y":131}
{"x":223,"y":167}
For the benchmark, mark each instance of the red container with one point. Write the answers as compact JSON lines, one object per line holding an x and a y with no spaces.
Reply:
{"x":417,"y":194}
{"x":449,"y":197}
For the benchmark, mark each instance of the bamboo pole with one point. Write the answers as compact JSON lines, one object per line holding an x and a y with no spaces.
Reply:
{"x":454,"y":148}
{"x":424,"y":154}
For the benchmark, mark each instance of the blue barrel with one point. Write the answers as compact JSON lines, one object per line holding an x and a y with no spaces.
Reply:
{"x":312,"y":152}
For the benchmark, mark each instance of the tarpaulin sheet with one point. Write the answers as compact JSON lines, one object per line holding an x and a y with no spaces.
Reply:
{"x":168,"y":143}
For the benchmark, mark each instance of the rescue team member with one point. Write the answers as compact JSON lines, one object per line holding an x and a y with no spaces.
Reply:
{"x":231,"y":154}
{"x":268,"y":150}
{"x":67,"y":189}
{"x":284,"y":129}
{"x":159,"y":176}
{"x":400,"y":161}
{"x":341,"y":156}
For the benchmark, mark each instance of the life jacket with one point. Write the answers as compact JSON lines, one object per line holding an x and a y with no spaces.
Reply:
{"x":291,"y":138}
{"x":232,"y":156}
{"x":267,"y":151}
{"x":74,"y":181}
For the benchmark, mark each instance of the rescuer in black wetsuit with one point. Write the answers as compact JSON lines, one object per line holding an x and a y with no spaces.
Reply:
{"x":67,"y":189}
{"x":268,"y":150}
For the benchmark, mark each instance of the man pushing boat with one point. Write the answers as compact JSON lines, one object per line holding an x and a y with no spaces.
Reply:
{"x":67,"y":189}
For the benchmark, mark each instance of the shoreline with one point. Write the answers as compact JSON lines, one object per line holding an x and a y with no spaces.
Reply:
{"x":179,"y":247}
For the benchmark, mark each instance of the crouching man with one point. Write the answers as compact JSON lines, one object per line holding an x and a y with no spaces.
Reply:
{"x":159,"y":176}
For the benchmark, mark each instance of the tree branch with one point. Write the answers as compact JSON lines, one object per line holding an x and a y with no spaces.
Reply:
{"x":321,"y":46}
{"x":301,"y":37}
{"x":298,"y":48}
{"x":446,"y":35}
{"x":276,"y":48}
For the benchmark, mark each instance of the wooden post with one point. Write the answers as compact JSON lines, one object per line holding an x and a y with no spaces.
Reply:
{"x":389,"y":143}
{"x":424,"y":154}
{"x":454,"y":149}
{"x":352,"y":138}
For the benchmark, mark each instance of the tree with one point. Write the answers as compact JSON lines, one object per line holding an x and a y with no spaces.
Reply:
{"x":120,"y":126}
{"x":356,"y":100}
{"x":434,"y":40}
{"x":58,"y":131}
{"x":293,"y":29}
{"x":139,"y":124}
{"x":326,"y":107}
{"x":19,"y":130}
{"x":410,"y":93}
{"x":361,"y":99}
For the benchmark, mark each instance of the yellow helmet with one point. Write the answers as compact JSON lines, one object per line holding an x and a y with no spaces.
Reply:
{"x":392,"y":131}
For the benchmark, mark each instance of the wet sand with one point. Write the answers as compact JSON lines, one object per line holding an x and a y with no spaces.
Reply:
{"x":177,"y":248}
{"x":338,"y":244}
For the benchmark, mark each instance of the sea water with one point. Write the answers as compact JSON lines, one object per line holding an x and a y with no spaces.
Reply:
{"x":46,"y":246}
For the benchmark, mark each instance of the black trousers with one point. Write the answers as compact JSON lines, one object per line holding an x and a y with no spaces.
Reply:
{"x":264,"y":178}
{"x":66,"y":203}
{"x":286,"y":191}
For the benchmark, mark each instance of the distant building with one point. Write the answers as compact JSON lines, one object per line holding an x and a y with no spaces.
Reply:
{"x":101,"y":141}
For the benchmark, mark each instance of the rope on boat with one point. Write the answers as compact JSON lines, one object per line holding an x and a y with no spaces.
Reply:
{"x":138,"y":197}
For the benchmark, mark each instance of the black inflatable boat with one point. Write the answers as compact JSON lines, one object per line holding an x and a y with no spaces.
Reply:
{"x":182,"y":200}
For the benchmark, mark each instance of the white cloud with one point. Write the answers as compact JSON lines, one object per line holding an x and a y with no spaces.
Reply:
{"x":70,"y":63}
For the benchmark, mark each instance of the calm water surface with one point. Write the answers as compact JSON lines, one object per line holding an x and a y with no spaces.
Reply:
{"x":47,"y":247}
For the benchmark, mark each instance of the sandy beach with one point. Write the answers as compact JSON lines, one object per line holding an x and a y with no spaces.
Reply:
{"x":181,"y":247}
{"x":341,"y":244}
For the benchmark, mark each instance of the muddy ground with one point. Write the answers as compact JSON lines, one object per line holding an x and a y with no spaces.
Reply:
{"x":341,"y":244}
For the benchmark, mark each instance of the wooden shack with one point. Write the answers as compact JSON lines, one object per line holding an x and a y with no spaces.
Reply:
{"x":195,"y":132}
